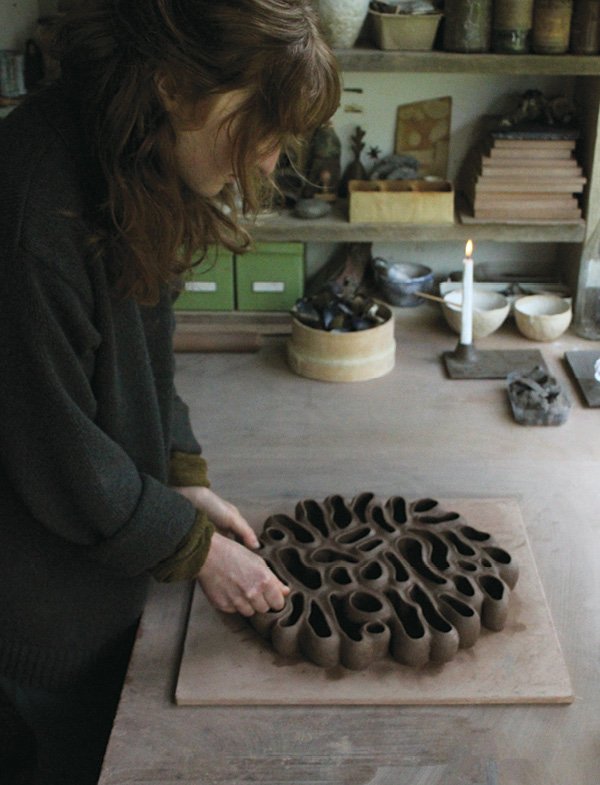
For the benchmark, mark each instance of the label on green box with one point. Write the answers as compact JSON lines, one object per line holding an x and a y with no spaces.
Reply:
{"x":270,"y":278}
{"x":268,"y":286}
{"x":209,"y":286}
{"x":201,"y":286}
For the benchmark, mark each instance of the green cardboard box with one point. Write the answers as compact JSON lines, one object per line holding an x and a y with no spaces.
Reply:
{"x":210,"y":285}
{"x":271,"y":278}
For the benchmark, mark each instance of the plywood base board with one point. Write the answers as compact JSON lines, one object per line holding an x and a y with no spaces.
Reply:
{"x":226,"y":663}
{"x":465,"y":218}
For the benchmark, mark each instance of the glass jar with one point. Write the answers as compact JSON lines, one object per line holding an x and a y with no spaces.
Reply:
{"x":551,"y":26}
{"x":586,"y":320}
{"x":467,"y":25}
{"x":585,"y":27}
{"x":512,"y":25}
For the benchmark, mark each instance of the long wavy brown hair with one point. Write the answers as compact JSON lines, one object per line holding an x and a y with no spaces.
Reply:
{"x":149,"y":224}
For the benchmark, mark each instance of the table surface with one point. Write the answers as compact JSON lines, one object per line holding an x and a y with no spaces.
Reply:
{"x":270,"y":435}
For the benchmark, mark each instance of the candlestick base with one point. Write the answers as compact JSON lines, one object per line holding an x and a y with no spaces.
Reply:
{"x":467,"y":362}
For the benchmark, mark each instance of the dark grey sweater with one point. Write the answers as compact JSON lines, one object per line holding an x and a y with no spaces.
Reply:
{"x":88,"y":416}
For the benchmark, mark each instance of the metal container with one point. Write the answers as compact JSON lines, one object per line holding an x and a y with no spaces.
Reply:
{"x":467,"y":25}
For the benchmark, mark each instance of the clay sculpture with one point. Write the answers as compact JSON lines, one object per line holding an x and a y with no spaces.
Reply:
{"x":371,"y":579}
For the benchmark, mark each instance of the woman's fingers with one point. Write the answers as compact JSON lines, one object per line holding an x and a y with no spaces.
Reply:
{"x":233,"y":578}
{"x":275,"y":595}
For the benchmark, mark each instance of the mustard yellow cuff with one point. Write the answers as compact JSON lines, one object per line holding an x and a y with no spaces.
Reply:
{"x":190,"y":555}
{"x":186,"y":468}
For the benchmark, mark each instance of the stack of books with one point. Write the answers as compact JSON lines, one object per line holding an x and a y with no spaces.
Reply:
{"x":525,"y":180}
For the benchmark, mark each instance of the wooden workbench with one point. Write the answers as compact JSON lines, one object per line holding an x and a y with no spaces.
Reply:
{"x":269,"y":435}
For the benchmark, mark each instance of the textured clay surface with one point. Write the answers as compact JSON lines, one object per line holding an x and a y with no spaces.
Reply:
{"x":372,"y":579}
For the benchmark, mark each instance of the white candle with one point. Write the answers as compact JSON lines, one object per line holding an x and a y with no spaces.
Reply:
{"x":466,"y":322}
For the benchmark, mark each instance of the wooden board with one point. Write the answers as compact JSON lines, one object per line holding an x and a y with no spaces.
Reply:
{"x":226,"y":663}
{"x":582,"y":365}
{"x":528,"y":162}
{"x":514,"y":197}
{"x":535,"y":144}
{"x":526,"y":213}
{"x":522,"y":172}
{"x":508,"y":154}
{"x":423,"y":131}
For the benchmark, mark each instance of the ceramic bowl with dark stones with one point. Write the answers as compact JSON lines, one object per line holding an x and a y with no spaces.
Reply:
{"x":343,"y":356}
{"x":399,"y":281}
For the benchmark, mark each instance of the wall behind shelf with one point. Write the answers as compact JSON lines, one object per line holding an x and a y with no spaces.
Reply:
{"x":17,"y":21}
{"x":473,"y":95}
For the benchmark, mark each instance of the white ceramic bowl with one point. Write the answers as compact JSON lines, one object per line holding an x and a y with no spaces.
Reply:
{"x":542,"y":317}
{"x":490,"y":309}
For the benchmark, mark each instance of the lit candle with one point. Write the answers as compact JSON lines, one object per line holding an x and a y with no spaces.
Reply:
{"x":466,"y":323}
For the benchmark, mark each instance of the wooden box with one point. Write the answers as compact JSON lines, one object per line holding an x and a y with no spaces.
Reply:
{"x":401,"y":201}
{"x":407,"y":32}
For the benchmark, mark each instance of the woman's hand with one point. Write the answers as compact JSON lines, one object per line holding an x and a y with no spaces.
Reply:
{"x":235,"y":579}
{"x":232,"y":577}
{"x":225,"y":516}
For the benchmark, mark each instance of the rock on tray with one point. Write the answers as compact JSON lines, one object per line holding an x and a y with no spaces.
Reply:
{"x":537,"y":398}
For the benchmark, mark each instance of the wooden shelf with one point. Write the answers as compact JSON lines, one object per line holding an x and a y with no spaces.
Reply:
{"x":263,"y":322}
{"x":283,"y":226}
{"x":377,"y":60}
{"x":335,"y":228}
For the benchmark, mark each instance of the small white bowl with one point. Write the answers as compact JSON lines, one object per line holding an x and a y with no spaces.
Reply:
{"x":490,"y":309}
{"x":542,"y":317}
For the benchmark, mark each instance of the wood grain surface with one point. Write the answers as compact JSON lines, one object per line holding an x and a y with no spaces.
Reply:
{"x":521,"y":664}
{"x":270,"y":435}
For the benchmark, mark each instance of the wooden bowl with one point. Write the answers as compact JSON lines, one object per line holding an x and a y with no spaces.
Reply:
{"x":542,"y":317}
{"x":343,"y":357}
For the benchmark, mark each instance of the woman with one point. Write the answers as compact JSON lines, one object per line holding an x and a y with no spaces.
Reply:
{"x":168,"y":114}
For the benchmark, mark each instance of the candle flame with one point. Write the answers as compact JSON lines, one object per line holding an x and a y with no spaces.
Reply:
{"x":469,"y":248}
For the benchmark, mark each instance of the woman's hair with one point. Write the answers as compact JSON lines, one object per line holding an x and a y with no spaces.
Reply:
{"x":114,"y":53}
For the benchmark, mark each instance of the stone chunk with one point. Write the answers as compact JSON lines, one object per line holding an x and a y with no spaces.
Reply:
{"x":537,"y":398}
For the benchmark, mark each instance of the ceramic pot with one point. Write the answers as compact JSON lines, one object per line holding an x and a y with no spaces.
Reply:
{"x":542,"y":317}
{"x":342,"y":20}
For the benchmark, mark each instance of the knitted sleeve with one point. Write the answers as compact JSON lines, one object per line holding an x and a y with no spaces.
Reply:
{"x":187,"y":469}
{"x":189,"y":557}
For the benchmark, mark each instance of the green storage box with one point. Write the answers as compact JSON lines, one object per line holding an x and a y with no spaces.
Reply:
{"x":271,"y":278}
{"x":210,"y":285}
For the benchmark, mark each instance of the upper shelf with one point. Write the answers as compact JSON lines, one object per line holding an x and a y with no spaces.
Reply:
{"x":377,"y":60}
{"x":335,"y":228}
